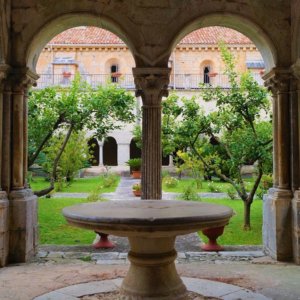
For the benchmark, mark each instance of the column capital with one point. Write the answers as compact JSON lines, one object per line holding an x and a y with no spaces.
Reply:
{"x":151,"y":84}
{"x":4,"y":69}
{"x":278,"y":80}
{"x":23,"y":78}
{"x":295,"y":69}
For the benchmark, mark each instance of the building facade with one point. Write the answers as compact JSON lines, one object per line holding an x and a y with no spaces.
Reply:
{"x":151,"y":29}
{"x":101,"y":57}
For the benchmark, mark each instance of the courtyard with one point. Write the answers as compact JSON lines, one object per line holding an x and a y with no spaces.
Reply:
{"x":162,"y":260}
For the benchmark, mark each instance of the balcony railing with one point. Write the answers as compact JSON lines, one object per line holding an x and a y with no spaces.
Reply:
{"x":177,"y":82}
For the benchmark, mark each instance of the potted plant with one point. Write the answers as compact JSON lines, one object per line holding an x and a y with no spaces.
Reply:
{"x":135,"y":167}
{"x":136,"y":188}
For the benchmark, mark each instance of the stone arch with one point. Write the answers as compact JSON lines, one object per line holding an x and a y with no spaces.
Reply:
{"x":135,"y":152}
{"x":64,"y":22}
{"x":110,"y":152}
{"x":241,"y":24}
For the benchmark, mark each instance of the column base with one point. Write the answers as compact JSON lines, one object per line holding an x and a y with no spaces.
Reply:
{"x":4,"y":229}
{"x":296,"y":226}
{"x":277,"y":227}
{"x":23,"y":237}
{"x":152,"y":273}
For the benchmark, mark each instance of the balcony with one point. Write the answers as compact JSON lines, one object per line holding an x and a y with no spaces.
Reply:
{"x":177,"y":81}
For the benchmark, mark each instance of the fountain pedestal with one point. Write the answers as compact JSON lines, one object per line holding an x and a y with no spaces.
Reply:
{"x":151,"y":227}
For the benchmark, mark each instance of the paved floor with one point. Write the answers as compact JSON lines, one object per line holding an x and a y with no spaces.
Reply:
{"x":260,"y":275}
{"x":243,"y":273}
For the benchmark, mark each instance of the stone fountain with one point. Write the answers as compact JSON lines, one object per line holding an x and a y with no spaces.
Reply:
{"x":151,"y":227}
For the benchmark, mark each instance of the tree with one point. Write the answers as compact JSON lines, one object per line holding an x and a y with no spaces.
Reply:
{"x":72,"y":110}
{"x":230,"y":137}
{"x":74,"y":157}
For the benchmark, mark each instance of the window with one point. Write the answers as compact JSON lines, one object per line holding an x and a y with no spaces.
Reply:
{"x":114,"y":73}
{"x":206,"y":78}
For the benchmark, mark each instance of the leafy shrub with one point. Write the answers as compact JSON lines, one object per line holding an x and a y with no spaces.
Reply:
{"x":190,"y":194}
{"x":265,"y":183}
{"x":134,"y":164}
{"x":231,"y":192}
{"x":214,"y":188}
{"x":109,"y":180}
{"x":170,"y":181}
{"x":60,"y":184}
{"x":136,"y":187}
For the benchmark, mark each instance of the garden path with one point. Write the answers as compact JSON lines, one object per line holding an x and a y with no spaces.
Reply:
{"x":124,"y":192}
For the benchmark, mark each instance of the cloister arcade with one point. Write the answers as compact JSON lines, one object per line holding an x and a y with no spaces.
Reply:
{"x":151,"y":29}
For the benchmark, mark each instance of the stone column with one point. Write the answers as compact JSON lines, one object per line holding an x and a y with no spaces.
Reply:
{"x":23,"y":204}
{"x":100,"y":153}
{"x":4,"y":204}
{"x":277,"y":237}
{"x":295,"y":110}
{"x":123,"y":153}
{"x":152,"y":85}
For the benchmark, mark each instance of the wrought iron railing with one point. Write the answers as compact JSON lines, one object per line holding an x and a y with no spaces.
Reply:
{"x":177,"y":81}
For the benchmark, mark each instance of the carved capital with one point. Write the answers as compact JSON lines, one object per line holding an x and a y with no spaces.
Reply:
{"x":4,"y":70}
{"x":278,"y":80}
{"x":295,"y":69}
{"x":23,"y":79}
{"x":151,"y":84}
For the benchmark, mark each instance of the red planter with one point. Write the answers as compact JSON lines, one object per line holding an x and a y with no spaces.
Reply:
{"x":137,"y":193}
{"x":212,"y":234}
{"x":104,"y":242}
{"x":136,"y":174}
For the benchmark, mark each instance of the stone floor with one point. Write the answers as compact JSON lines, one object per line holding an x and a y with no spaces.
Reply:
{"x":258,"y":275}
{"x":75,"y":272}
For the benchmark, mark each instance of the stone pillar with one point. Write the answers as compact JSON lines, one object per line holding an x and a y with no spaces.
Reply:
{"x":100,"y":153}
{"x":152,"y":85}
{"x":295,"y":164}
{"x":123,"y":153}
{"x":277,"y":237}
{"x":23,"y":204}
{"x":25,"y":145}
{"x":4,"y":204}
{"x":171,"y":162}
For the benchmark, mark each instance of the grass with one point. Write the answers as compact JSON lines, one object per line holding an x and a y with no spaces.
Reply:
{"x":53,"y":227}
{"x":78,"y":185}
{"x":55,"y":230}
{"x":221,"y":186}
{"x":234,"y":233}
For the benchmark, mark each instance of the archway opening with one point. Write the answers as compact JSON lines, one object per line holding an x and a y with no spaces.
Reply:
{"x":215,"y":62}
{"x":110,"y":152}
{"x":135,"y":151}
{"x":84,"y":50}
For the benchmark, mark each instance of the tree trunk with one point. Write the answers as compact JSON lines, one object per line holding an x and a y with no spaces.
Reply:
{"x":247,"y":213}
{"x":55,"y":164}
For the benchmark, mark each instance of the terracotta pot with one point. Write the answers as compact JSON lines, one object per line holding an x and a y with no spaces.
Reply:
{"x":137,"y":193}
{"x":104,"y":242}
{"x":136,"y":174}
{"x":212,"y":234}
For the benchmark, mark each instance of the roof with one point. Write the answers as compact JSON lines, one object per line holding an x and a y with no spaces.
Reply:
{"x":85,"y":35}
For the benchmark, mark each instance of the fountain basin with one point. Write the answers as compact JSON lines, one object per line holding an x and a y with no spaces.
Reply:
{"x":151,"y":227}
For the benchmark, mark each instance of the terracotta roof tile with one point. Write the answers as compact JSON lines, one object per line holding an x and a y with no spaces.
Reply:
{"x":98,"y":36}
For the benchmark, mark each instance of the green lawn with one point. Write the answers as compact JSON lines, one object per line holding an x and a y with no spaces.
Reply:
{"x":55,"y":230}
{"x":53,"y":227}
{"x":78,"y":185}
{"x":222,"y":186}
{"x":234,"y":233}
